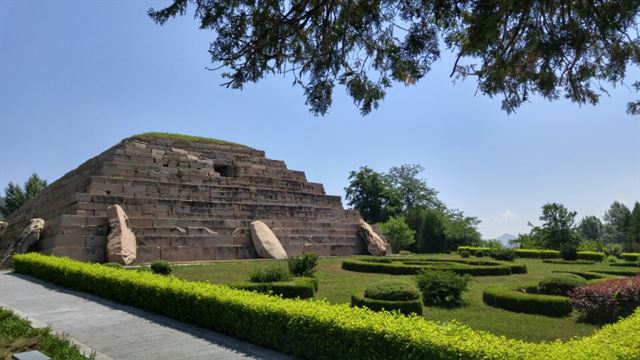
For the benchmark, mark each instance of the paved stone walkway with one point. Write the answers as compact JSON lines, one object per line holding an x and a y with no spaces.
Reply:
{"x":115,"y":331}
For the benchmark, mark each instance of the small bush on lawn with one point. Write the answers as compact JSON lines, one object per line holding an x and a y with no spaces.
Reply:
{"x":303,"y":288}
{"x":560,"y":284}
{"x":270,"y":274}
{"x":569,"y":252}
{"x":607,"y":301}
{"x":404,"y":252}
{"x":479,"y":253}
{"x":161,"y":267}
{"x":304,"y":265}
{"x":464,"y":254}
{"x":113,"y":265}
{"x":503,"y":254}
{"x":392,"y":290}
{"x":612,"y":259}
{"x":442,"y":287}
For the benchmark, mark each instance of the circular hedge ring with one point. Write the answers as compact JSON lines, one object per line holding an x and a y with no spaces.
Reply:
{"x":413,"y":265}
{"x":522,"y":298}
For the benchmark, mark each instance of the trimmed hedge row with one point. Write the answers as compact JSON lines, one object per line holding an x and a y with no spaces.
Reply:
{"x":399,"y":268}
{"x":316,"y":329}
{"x":630,"y":256}
{"x":303,"y":288}
{"x":537,"y":254}
{"x":406,"y":307}
{"x":473,"y":249}
{"x":568,"y":262}
{"x":518,"y":298}
{"x":591,"y":255}
{"x":588,"y":275}
{"x":626,"y":264}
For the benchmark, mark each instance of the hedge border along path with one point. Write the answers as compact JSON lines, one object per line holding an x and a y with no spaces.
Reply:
{"x":412,"y":265}
{"x":512,"y":298}
{"x":317,"y":329}
{"x":541,"y":253}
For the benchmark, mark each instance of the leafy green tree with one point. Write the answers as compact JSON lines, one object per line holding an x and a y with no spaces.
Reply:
{"x":2,"y":204}
{"x":532,"y":240}
{"x":398,"y":233}
{"x":371,"y":194}
{"x":633,"y":231}
{"x":413,"y":191}
{"x":429,"y":225}
{"x":15,"y":195}
{"x":460,"y":229}
{"x":557,"y":229}
{"x":616,"y":223}
{"x":513,"y":49}
{"x":590,"y":228}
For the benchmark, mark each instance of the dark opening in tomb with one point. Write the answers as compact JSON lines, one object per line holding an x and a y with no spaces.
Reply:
{"x":224,"y":170}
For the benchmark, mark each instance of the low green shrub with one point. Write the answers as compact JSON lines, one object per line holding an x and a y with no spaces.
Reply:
{"x":304,"y":265}
{"x":588,"y":275}
{"x":568,"y":262}
{"x":516,"y":298}
{"x":442,"y":287}
{"x":626,"y":264}
{"x":630,"y":256}
{"x":537,"y":254}
{"x":503,"y":254}
{"x":479,"y":253}
{"x":560,"y":284}
{"x":409,"y":267}
{"x":406,"y":307}
{"x":113,"y":265}
{"x":271,"y":274}
{"x":465,"y":254}
{"x":473,"y":249}
{"x":303,"y":288}
{"x":317,"y":329}
{"x":591,"y":255}
{"x":161,"y":267}
{"x":404,"y":252}
{"x":618,"y":272}
{"x":569,"y":253}
{"x":612,"y":259}
{"x":391,"y":290}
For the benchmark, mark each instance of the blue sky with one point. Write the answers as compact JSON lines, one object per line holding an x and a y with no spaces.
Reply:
{"x":77,"y":77}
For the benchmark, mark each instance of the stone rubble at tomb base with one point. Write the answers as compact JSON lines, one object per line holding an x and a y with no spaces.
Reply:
{"x":187,"y":200}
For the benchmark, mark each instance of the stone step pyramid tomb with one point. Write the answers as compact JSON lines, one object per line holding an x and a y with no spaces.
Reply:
{"x":181,"y":198}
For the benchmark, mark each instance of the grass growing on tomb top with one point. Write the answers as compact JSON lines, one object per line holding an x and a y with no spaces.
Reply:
{"x":201,"y":139}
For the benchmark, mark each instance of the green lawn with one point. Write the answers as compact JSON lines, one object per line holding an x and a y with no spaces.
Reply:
{"x":337,"y":285}
{"x":17,"y":335}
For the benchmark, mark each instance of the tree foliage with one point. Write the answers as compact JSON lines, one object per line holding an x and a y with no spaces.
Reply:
{"x":413,"y":191}
{"x":632,"y":242}
{"x":557,"y":229}
{"x":616,"y":223}
{"x":15,"y":195}
{"x":398,"y":233}
{"x":590,"y":228}
{"x":513,"y":49}
{"x":371,"y":193}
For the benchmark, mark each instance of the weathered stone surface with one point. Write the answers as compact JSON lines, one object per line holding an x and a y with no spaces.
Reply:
{"x":375,"y":244}
{"x":29,"y":235}
{"x":27,"y":238}
{"x":265,"y":241}
{"x":3,"y":225}
{"x":121,"y":242}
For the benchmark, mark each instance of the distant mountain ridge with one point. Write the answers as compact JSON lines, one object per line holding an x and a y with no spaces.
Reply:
{"x":505,"y":238}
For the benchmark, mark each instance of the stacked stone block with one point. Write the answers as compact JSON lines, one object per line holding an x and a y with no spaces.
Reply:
{"x":188,"y":200}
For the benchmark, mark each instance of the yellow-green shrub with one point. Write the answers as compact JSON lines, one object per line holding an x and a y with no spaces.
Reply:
{"x":317,"y":329}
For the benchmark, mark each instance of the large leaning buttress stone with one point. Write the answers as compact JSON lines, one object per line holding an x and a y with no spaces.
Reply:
{"x":3,"y":225}
{"x":121,"y":242}
{"x":27,"y":238}
{"x":29,"y":235}
{"x":265,"y":242}
{"x":375,"y":244}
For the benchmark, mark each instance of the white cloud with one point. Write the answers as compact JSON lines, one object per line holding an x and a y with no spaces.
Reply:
{"x":506,"y":215}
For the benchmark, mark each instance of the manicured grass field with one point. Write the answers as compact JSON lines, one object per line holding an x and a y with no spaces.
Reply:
{"x":17,"y":335}
{"x":337,"y":285}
